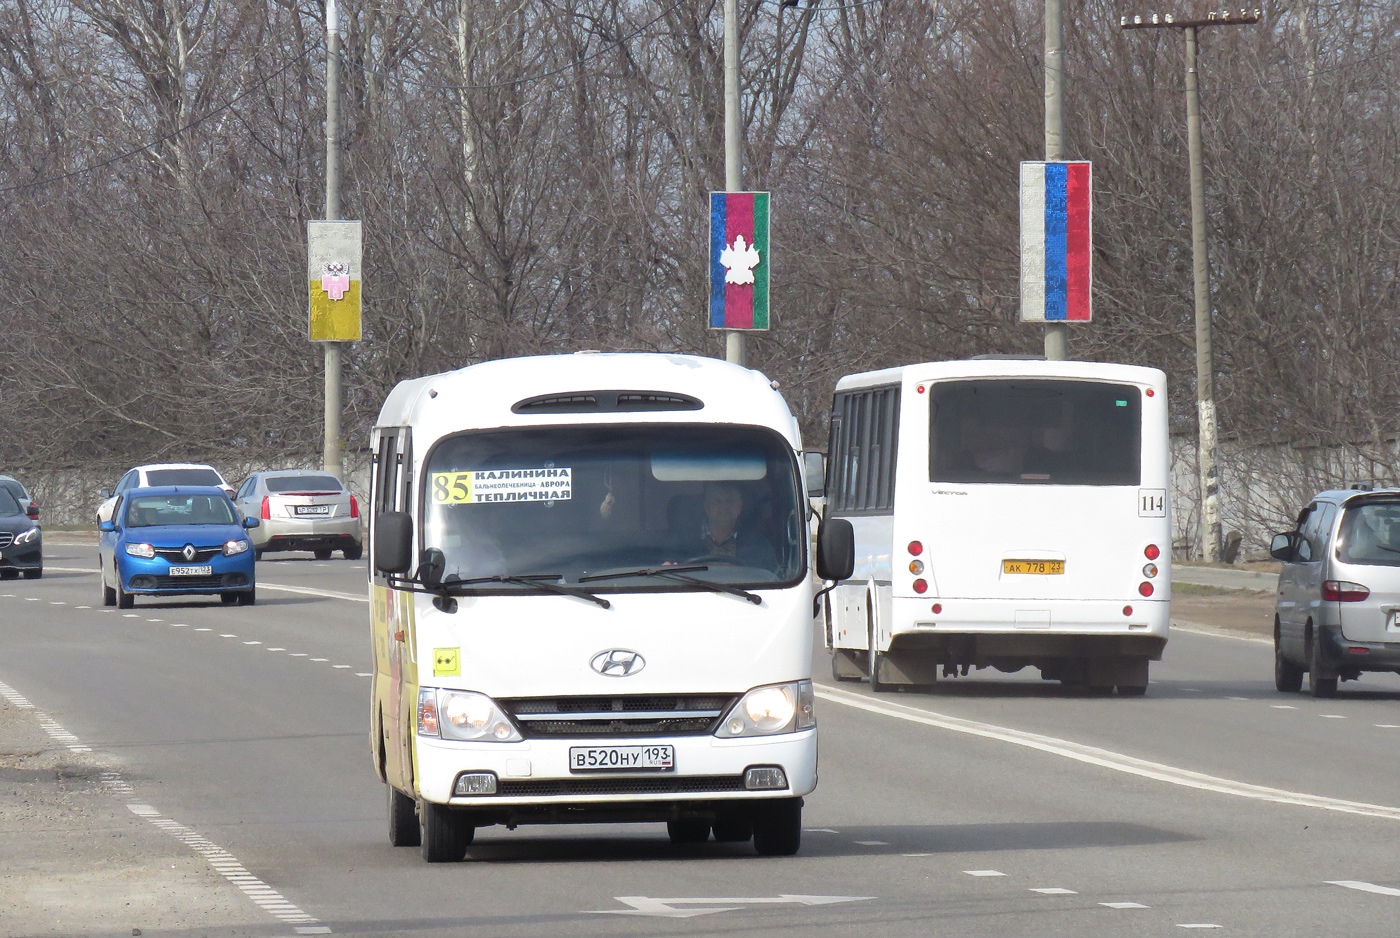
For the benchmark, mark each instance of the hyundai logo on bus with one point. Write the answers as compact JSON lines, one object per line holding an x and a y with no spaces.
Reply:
{"x":618,"y":662}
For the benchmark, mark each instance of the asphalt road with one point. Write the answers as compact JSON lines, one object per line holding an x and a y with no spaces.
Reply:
{"x":228,"y":746}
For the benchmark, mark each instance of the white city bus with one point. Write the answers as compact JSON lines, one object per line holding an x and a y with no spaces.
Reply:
{"x":591,"y":602}
{"x":1007,"y":514}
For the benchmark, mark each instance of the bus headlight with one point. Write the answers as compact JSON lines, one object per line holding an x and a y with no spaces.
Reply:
{"x":770,"y":710}
{"x":461,"y":714}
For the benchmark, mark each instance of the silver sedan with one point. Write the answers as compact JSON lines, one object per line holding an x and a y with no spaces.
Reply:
{"x":301,"y":509}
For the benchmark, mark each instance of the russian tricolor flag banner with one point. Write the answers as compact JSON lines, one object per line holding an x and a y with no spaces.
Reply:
{"x":739,"y":260}
{"x":1056,"y":255}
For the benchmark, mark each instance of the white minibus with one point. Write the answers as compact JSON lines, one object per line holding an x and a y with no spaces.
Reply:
{"x":1007,"y":514}
{"x":591,"y":602}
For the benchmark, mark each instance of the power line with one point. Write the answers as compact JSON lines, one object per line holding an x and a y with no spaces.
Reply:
{"x":39,"y":183}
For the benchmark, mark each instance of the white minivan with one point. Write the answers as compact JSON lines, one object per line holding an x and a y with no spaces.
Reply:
{"x":591,"y":601}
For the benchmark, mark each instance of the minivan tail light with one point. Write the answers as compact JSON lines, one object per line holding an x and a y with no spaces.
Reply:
{"x":354,"y":507}
{"x":1343,"y":591}
{"x":266,"y":507}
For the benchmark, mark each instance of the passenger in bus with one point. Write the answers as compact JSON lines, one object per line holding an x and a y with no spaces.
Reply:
{"x":722,"y":537}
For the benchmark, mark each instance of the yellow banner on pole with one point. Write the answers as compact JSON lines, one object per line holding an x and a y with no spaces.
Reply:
{"x":333,"y":267}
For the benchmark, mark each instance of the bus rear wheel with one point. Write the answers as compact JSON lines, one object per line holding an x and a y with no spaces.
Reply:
{"x":777,"y":828}
{"x":446,"y":834}
{"x":874,"y":658}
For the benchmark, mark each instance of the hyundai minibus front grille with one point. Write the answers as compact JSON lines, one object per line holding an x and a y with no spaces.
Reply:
{"x":653,"y":715}
{"x":651,"y":785}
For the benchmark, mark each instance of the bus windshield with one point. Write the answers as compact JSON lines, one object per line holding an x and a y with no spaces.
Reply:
{"x":1028,"y":431}
{"x":608,"y":501}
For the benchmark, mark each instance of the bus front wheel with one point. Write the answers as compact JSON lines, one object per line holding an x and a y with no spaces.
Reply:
{"x":446,"y":833}
{"x":777,"y":828}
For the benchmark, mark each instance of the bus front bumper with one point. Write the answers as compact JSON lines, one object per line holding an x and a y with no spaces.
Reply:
{"x":535,"y":772}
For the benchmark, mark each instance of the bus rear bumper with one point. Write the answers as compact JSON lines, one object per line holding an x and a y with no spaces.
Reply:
{"x":533,"y":781}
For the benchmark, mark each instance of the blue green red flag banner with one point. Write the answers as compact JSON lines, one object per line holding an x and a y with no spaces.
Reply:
{"x":1056,"y":242}
{"x":739,"y":260}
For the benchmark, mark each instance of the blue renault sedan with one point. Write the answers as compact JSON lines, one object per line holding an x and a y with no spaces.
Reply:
{"x":175,"y":540}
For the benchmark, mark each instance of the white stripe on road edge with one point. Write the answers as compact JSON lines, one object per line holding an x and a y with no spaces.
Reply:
{"x":220,"y":859}
{"x":1105,"y":758}
{"x":306,"y":590}
{"x":1364,"y":887}
{"x":1196,"y":628}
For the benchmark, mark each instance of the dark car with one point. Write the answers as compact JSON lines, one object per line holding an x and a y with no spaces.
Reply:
{"x":21,"y":544}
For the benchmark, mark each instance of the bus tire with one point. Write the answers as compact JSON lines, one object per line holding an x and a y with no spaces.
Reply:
{"x":874,"y":658}
{"x":733,"y":829}
{"x":688,"y":830}
{"x":1132,"y":690}
{"x":777,"y":828}
{"x":445,"y":833}
{"x":403,"y":820}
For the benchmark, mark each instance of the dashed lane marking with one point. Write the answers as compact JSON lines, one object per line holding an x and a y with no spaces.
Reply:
{"x":1055,"y":891}
{"x":984,"y":872}
{"x":1125,"y":905}
{"x":1105,"y":758}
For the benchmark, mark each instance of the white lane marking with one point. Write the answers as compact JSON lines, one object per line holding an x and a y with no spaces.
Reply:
{"x":1055,"y":891}
{"x":1192,"y":690}
{"x":1236,"y":698}
{"x":1331,"y":716}
{"x":130,"y":615}
{"x":1365,"y":887}
{"x":155,"y":620}
{"x":1209,"y":633}
{"x":819,"y":830}
{"x":31,"y":599}
{"x":363,"y":674}
{"x":340,"y":666}
{"x":82,"y":607}
{"x":252,"y":643}
{"x":1386,"y":726}
{"x":984,"y":872}
{"x":1125,"y":905}
{"x":312,"y":591}
{"x":1108,"y":759}
{"x":873,"y":843}
{"x":227,"y":635}
{"x":1197,"y":925}
{"x":179,"y":625}
{"x":1283,"y":706}
{"x":220,"y":859}
{"x":916,"y":854}
{"x":203,"y":630}
{"x":320,"y":659}
{"x":298,"y":654}
{"x":277,"y":649}
{"x":55,"y":602}
{"x":646,"y":905}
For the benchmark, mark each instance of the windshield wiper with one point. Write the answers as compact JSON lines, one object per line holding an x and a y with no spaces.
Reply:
{"x":537,"y":581}
{"x":679,"y":573}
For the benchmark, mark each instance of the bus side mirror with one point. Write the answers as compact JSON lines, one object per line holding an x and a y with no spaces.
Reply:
{"x":431,"y":564}
{"x":814,"y":473}
{"x":393,"y":542}
{"x":836,"y":549}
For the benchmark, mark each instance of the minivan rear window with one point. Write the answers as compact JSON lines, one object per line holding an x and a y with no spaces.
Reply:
{"x":1035,"y":431}
{"x":1370,"y":534}
{"x":284,"y":485}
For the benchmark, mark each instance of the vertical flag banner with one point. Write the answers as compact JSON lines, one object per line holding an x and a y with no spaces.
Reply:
{"x":739,"y":260}
{"x":333,"y":270}
{"x":1056,"y":244}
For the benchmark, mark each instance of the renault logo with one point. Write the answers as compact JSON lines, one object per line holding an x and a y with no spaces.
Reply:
{"x":189,"y":552}
{"x":618,"y":662}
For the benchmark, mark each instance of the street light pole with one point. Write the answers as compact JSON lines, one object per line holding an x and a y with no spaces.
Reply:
{"x":331,"y":458}
{"x":1056,"y":333}
{"x":1206,"y":424}
{"x":734,"y":345}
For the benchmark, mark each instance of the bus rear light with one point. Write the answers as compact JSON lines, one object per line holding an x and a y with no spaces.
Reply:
{"x":1145,"y":588}
{"x":916,"y":566}
{"x":1127,"y":610}
{"x":916,"y":548}
{"x":1151,"y":393}
{"x":1152,"y":552}
{"x":937,"y":608}
{"x":266,"y":508}
{"x":1343,"y":591}
{"x":1149,"y":570}
{"x":921,"y":389}
{"x":921,"y":586}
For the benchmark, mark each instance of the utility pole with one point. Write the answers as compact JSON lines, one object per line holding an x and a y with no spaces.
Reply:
{"x":1056,"y":333}
{"x":331,"y":458}
{"x":734,"y":344}
{"x":1207,"y":448}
